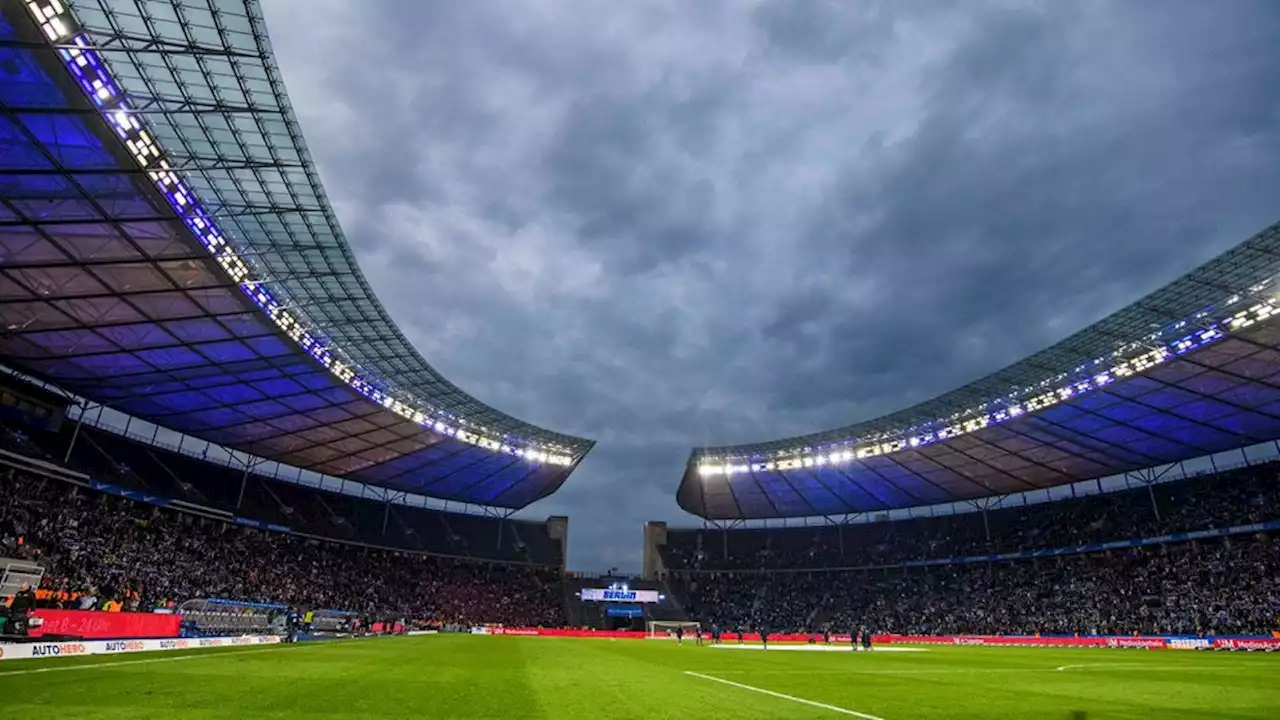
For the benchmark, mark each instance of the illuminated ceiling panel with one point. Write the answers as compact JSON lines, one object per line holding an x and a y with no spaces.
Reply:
{"x":1190,"y":370}
{"x":167,"y":250}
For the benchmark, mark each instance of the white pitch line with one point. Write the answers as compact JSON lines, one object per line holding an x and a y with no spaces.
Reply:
{"x":1138,"y":666}
{"x":118,"y":663}
{"x":859,"y":671}
{"x":784,"y":696}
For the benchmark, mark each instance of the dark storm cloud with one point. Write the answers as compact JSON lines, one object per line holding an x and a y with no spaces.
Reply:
{"x":671,"y":224}
{"x":600,"y":166}
{"x":1072,"y":217}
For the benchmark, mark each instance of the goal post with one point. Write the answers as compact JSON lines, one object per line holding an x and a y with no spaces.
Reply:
{"x":666,"y":629}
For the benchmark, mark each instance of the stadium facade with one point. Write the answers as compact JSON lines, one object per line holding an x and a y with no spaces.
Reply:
{"x":168,"y":251}
{"x":1190,"y":370}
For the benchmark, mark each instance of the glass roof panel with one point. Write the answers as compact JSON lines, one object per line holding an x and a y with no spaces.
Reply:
{"x":116,"y":161}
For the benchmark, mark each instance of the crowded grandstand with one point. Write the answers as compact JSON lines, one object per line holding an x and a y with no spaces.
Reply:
{"x":310,"y":471}
{"x":207,"y":441}
{"x":1110,"y":564}
{"x":105,"y":547}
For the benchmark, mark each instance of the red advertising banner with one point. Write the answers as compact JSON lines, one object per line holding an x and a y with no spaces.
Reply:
{"x":640,"y":635}
{"x":1264,"y":644}
{"x":104,"y":625}
{"x":1143,"y":643}
{"x":1150,"y":643}
{"x":566,"y":632}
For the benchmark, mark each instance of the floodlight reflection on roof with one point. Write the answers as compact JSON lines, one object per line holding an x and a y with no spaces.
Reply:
{"x":91,"y":73}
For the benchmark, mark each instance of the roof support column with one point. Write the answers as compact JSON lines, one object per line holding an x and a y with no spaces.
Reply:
{"x":982,"y":506}
{"x":388,"y":497}
{"x":1148,"y":477}
{"x":386,"y":512}
{"x":515,"y":534}
{"x":249,"y":465}
{"x":82,"y":410}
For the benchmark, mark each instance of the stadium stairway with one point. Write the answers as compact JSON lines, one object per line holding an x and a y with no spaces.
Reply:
{"x":592,"y":615}
{"x":679,"y":610}
{"x":819,"y":618}
{"x":573,"y":605}
{"x":579,"y":613}
{"x":678,"y":595}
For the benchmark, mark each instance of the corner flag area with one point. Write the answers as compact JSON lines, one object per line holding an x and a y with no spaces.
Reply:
{"x":458,"y":676}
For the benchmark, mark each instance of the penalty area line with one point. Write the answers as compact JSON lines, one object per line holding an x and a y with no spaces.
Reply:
{"x":784,"y":696}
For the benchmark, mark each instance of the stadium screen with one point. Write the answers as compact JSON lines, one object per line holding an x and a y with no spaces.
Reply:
{"x":620,"y":595}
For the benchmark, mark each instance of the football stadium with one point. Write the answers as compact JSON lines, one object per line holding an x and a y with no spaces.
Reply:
{"x":230,"y":486}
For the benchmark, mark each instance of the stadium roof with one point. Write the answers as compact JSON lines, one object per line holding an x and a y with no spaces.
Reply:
{"x":168,"y":250}
{"x":1191,"y":369}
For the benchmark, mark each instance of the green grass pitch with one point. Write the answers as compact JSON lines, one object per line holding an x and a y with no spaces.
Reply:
{"x":460,"y":677}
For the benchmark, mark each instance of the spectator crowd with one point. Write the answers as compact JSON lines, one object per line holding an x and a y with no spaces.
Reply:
{"x":159,"y":472}
{"x":105,"y":552}
{"x":807,"y":579}
{"x":1227,"y":586}
{"x":1236,"y":497}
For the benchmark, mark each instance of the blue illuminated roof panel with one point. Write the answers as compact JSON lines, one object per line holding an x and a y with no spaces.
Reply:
{"x":1191,"y":369}
{"x":240,"y":147}
{"x":106,"y":292}
{"x":1223,"y":397}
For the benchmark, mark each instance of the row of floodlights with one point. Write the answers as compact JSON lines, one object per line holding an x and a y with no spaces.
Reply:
{"x":1122,"y":351}
{"x":1120,"y":371}
{"x":95,"y":79}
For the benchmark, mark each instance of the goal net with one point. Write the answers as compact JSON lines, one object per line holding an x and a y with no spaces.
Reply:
{"x":666,"y":629}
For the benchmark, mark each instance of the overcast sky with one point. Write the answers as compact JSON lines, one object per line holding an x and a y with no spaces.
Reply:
{"x":663,"y":224}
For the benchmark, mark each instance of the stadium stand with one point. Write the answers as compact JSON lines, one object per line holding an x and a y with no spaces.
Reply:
{"x":101,"y":548}
{"x":200,"y":281}
{"x":796,"y":579}
{"x":96,"y":545}
{"x":1186,"y":373}
{"x":250,"y":328}
{"x":1222,"y":587}
{"x":1236,"y":497}
{"x":134,"y":466}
